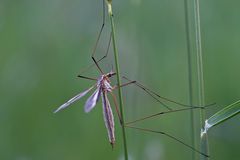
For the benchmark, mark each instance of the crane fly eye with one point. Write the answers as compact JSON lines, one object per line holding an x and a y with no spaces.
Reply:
{"x":111,"y":74}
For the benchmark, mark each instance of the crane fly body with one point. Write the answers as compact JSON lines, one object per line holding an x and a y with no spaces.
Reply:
{"x":103,"y":87}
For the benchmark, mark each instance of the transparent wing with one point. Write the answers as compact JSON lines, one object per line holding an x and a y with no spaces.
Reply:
{"x":77,"y":97}
{"x":92,"y":100}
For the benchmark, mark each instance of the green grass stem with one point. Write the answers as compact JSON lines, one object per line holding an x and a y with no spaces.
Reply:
{"x":204,"y":139}
{"x":190,"y":83}
{"x":110,"y":13}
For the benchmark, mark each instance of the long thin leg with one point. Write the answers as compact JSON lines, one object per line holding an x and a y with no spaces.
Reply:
{"x":123,"y":85}
{"x":106,"y":54}
{"x":99,"y":60}
{"x":170,"y":136}
{"x":153,"y":96}
{"x":96,"y":61}
{"x":116,"y":107}
{"x":101,"y":29}
{"x":134,"y":82}
{"x":89,"y":78}
{"x":164,"y":98}
{"x":96,"y":44}
{"x":160,"y":113}
{"x":99,"y":35}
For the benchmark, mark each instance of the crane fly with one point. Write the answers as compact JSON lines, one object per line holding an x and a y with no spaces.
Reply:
{"x":103,"y":88}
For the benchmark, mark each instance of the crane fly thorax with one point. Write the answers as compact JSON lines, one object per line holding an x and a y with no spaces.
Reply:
{"x":104,"y":83}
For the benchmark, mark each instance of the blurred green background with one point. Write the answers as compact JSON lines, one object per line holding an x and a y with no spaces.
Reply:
{"x":45,"y":44}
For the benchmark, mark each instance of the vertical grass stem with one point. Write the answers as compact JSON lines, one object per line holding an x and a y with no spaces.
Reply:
{"x":109,"y":4}
{"x":190,"y":88}
{"x":204,"y":139}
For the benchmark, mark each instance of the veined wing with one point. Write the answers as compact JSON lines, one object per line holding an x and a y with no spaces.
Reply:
{"x":108,"y":118}
{"x":75,"y":98}
{"x":92,"y":100}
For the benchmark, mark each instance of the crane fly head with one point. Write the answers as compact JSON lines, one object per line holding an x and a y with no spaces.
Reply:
{"x":109,"y":75}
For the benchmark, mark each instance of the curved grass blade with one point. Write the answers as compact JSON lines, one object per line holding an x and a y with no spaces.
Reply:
{"x":221,"y":116}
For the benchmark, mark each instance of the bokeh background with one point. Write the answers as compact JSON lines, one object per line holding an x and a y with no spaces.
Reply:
{"x":45,"y":44}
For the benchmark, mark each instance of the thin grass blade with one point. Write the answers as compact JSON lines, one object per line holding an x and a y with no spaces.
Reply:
{"x":221,"y":116}
{"x":110,"y":13}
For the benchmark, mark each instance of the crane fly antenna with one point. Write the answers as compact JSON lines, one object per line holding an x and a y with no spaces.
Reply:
{"x":168,"y":135}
